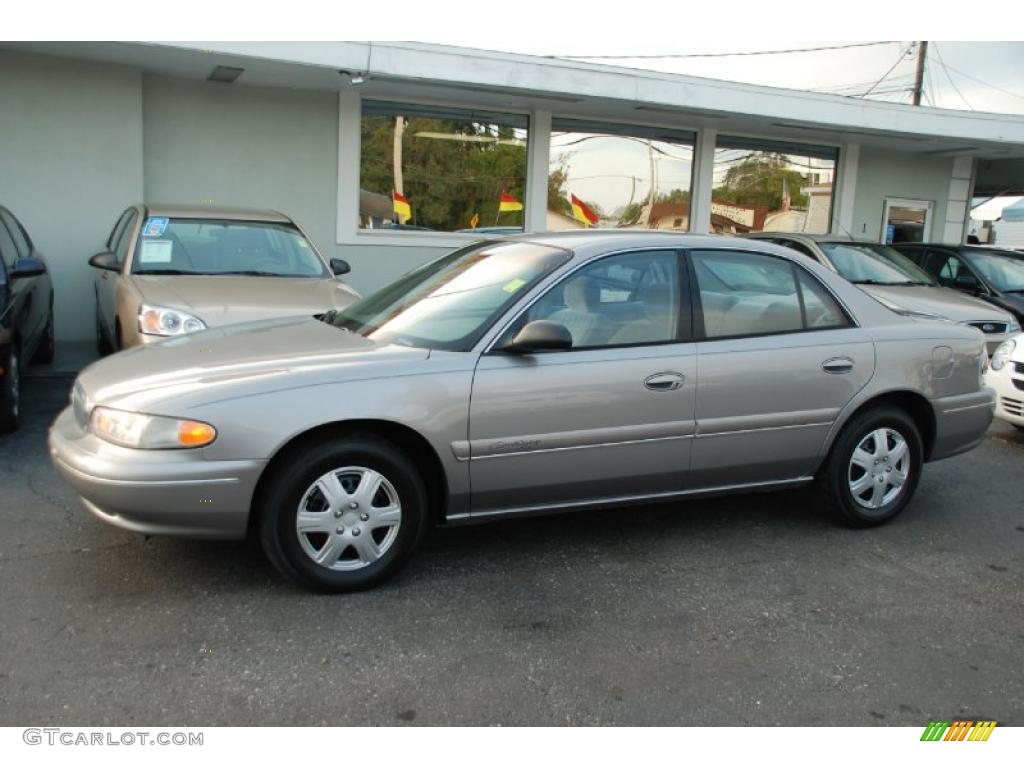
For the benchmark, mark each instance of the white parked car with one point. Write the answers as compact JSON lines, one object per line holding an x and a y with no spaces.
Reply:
{"x":1005,"y":375}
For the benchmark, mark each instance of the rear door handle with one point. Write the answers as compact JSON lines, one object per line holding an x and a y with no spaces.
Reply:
{"x":664,"y":381}
{"x":837,"y":365}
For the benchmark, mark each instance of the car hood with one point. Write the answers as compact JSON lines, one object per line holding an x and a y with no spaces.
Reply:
{"x":225,"y":299}
{"x":934,"y":300}
{"x":237,"y":361}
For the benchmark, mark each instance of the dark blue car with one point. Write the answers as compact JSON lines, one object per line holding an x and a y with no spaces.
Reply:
{"x":26,"y":314}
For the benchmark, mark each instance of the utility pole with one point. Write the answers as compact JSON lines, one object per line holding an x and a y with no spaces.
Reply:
{"x":922,"y":55}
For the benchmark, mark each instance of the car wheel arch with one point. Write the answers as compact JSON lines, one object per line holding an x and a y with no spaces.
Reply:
{"x":914,"y":404}
{"x":411,"y":442}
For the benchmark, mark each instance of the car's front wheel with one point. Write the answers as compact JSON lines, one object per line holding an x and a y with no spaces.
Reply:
{"x":873,"y":468}
{"x":342,"y":513}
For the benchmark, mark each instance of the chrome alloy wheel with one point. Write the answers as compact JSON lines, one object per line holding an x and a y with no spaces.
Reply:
{"x":879,"y":468}
{"x":348,"y":518}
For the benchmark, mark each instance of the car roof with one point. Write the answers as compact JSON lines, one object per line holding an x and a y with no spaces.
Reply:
{"x":203,"y":211}
{"x":571,"y":239}
{"x":809,"y":237}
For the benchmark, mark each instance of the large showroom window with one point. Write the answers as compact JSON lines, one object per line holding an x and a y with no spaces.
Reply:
{"x":439,"y":168}
{"x":772,"y":186}
{"x":602,"y":175}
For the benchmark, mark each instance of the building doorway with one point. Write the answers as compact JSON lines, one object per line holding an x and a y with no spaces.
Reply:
{"x":906,"y":221}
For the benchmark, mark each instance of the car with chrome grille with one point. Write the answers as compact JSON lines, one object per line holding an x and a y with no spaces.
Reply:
{"x":1005,"y":375}
{"x":522,"y":376}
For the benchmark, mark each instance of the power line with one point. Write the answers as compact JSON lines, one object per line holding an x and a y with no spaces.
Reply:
{"x":719,"y":55}
{"x":899,"y":60}
{"x":950,"y":77}
{"x":982,"y":82}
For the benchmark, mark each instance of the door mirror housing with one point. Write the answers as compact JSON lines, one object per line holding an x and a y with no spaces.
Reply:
{"x":967,"y":282}
{"x":340,"y":267}
{"x":539,"y":336}
{"x":29,"y":266}
{"x":105,"y":260}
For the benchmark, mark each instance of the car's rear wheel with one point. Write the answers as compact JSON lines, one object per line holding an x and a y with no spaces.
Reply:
{"x":10,"y":392}
{"x":343,"y":513}
{"x":874,"y":467}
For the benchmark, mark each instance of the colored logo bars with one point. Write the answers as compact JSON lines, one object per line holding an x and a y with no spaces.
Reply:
{"x":959,"y":730}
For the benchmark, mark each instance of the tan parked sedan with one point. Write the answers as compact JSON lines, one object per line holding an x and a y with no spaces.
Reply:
{"x":169,"y":270}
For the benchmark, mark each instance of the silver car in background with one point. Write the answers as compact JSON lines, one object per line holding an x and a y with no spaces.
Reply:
{"x":898,"y":282}
{"x":519,"y":377}
{"x":169,"y":270}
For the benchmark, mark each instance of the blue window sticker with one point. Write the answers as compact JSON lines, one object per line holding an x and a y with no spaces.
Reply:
{"x":155,"y":226}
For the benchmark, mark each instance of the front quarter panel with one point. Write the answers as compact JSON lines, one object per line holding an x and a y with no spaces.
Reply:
{"x":433,"y":401}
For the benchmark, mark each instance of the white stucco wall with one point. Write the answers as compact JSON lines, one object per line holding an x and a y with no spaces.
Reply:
{"x":70,"y":162}
{"x":882,"y":174}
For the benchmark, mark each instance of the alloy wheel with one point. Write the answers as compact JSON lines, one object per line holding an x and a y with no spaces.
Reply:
{"x":348,"y":518}
{"x":879,"y":468}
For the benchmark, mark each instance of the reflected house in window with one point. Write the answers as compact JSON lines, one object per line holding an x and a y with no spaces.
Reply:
{"x":726,"y":218}
{"x":819,"y":208}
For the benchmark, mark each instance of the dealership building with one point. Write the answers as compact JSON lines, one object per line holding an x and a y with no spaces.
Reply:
{"x":328,"y":133}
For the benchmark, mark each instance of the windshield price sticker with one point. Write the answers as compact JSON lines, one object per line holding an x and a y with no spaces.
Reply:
{"x":513,"y":285}
{"x":156,"y":251}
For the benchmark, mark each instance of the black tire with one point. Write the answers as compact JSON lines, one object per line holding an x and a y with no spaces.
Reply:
{"x":47,"y":347}
{"x":836,"y":474}
{"x":103,"y":346}
{"x":293,"y":475}
{"x":10,"y":392}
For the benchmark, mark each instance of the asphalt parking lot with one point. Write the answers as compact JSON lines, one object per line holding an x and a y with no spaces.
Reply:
{"x":751,"y":610}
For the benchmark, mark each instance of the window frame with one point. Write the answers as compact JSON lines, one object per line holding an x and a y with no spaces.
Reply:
{"x":684,"y":287}
{"x":699,"y":332}
{"x":8,"y":265}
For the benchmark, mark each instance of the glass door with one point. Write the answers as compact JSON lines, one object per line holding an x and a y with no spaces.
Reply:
{"x":906,"y":221}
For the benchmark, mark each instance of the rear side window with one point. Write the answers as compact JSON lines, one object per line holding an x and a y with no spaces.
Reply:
{"x":753,"y":294}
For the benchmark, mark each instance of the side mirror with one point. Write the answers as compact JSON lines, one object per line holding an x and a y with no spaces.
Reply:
{"x":539,"y":336}
{"x":340,"y":267}
{"x":967,"y":282}
{"x":105,"y":260}
{"x":29,"y":266}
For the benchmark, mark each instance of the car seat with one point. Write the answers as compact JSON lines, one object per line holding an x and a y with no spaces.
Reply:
{"x":582,"y":314}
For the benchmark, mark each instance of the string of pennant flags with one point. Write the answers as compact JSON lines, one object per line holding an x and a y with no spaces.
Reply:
{"x":506,"y":204}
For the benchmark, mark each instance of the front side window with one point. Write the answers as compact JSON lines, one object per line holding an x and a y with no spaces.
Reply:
{"x":770,"y":186}
{"x":181,"y":246}
{"x":602,"y":175}
{"x":870,"y":264}
{"x":17,"y":233}
{"x":751,"y":294}
{"x":631,"y":298}
{"x":449,"y":303}
{"x":441,"y":169}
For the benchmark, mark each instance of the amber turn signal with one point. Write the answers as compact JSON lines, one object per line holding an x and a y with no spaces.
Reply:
{"x":195,"y":434}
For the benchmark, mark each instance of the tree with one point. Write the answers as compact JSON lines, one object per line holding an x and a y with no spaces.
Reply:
{"x":758,"y":180}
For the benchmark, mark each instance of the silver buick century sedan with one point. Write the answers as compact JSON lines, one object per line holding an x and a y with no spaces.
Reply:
{"x":517,"y":377}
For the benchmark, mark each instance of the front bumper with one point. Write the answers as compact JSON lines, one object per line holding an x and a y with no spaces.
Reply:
{"x":176,"y":493}
{"x":961,"y":422}
{"x":1008,"y":384}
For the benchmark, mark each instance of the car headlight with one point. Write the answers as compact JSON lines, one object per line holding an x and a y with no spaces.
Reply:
{"x":164,"y":321}
{"x":1013,"y":327}
{"x":1002,"y":354}
{"x":140,"y":430}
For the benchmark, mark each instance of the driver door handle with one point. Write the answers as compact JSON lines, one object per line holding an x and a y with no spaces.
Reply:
{"x":665,"y":381}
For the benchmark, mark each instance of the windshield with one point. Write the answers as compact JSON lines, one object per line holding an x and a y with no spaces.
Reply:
{"x":1002,"y":270}
{"x":449,"y":303}
{"x":224,"y":247}
{"x":874,"y":264}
